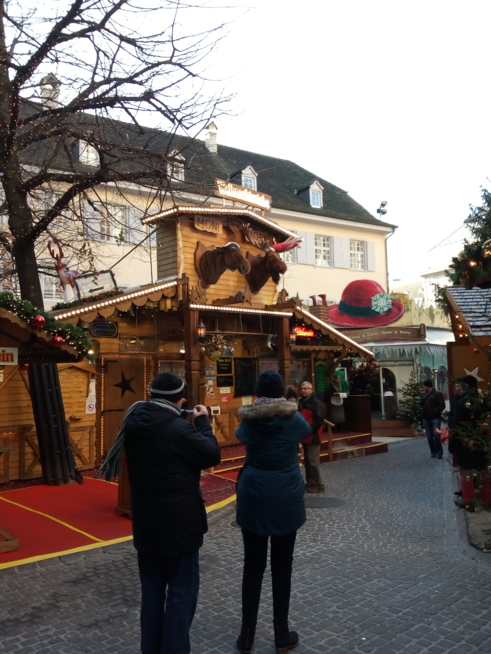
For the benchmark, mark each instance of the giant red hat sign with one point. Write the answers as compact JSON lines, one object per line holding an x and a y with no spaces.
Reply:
{"x":364,"y":303}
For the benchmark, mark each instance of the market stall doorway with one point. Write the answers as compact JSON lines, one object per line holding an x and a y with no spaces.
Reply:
{"x":123,"y":382}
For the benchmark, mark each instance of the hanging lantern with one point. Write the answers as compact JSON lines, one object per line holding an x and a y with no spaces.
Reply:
{"x":293,"y":336}
{"x":57,"y":341}
{"x":201,"y":329}
{"x":38,"y":321}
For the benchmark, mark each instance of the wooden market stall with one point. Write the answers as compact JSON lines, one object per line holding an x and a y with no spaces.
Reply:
{"x":470,"y":313}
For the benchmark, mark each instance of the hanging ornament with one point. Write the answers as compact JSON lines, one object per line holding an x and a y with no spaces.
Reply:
{"x":23,"y":366}
{"x":38,"y":321}
{"x":57,"y":341}
{"x":476,"y":350}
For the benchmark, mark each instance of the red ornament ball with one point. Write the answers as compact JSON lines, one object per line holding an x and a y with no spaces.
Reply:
{"x":57,"y":341}
{"x":38,"y":321}
{"x":476,"y":350}
{"x":24,"y":366}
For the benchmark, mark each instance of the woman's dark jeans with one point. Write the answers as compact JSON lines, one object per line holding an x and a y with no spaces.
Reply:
{"x":255,"y":559}
{"x":170,"y":587}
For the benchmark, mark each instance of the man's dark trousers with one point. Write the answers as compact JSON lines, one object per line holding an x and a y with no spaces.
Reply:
{"x":434,"y":440}
{"x":170,"y":585}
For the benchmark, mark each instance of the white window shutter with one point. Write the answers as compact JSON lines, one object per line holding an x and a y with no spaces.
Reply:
{"x":370,"y":256}
{"x":302,"y":248}
{"x":341,"y":258}
{"x":310,"y":247}
{"x":345,"y":242}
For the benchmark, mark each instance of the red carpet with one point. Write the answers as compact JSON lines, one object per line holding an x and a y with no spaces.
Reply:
{"x":52,"y":520}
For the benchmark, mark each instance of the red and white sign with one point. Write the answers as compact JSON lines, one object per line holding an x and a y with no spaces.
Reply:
{"x":225,"y":399}
{"x":9,"y":356}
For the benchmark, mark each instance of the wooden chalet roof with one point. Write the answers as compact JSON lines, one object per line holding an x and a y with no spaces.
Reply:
{"x":34,"y":345}
{"x":342,"y":340}
{"x":470,"y":310}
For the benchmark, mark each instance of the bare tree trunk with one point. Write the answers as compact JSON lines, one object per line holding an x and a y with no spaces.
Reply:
{"x":29,"y":282}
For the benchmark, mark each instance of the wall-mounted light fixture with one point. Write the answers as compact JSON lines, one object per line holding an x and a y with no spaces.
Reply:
{"x":201,"y":329}
{"x":293,"y":336}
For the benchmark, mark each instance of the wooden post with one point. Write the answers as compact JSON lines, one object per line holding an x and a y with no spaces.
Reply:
{"x":191,"y":355}
{"x":330,"y":425}
{"x":284,"y":352}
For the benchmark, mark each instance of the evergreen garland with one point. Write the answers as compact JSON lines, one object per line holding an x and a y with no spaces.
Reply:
{"x":87,"y":300}
{"x":73,"y":336}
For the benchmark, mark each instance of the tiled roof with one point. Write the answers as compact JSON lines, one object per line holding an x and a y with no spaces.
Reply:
{"x":276,"y":177}
{"x":474,"y":306}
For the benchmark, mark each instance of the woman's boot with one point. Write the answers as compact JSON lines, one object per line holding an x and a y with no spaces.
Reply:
{"x":246,"y":639}
{"x":284,"y":640}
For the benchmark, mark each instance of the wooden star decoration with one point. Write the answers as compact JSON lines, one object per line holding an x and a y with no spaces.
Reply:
{"x":474,"y":373}
{"x":124,"y":385}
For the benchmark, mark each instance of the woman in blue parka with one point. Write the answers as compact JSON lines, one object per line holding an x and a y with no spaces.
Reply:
{"x":270,"y":504}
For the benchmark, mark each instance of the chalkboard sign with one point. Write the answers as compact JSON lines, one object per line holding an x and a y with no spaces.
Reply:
{"x":245,"y":376}
{"x":224,"y":366}
{"x":225,"y":380}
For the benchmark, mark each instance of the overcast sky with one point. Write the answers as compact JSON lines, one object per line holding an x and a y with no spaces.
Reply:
{"x":389,"y":100}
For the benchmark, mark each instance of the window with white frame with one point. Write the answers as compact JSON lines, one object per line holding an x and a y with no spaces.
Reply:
{"x":113,"y":223}
{"x":249,"y":182}
{"x":358,"y":254}
{"x":315,"y":199}
{"x":290,"y":256}
{"x":87,"y":154}
{"x":175,"y":167}
{"x":323,"y":250}
{"x":249,"y":178}
{"x":50,"y":284}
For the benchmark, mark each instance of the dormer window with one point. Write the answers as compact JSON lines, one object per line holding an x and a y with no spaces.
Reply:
{"x":87,"y":154}
{"x":316,"y":195}
{"x":311,"y":193}
{"x":175,"y":167}
{"x":249,"y":178}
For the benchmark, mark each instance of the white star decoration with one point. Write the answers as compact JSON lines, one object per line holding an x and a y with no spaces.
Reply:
{"x":474,"y":373}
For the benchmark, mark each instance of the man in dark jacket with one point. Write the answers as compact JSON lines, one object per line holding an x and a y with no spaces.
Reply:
{"x":432,"y":406}
{"x":312,"y":409}
{"x":165,"y":455}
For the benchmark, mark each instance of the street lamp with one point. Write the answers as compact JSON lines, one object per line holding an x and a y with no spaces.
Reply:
{"x":382,"y":210}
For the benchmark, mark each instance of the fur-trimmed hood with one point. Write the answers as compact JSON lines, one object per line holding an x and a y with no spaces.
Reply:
{"x":283,"y":409}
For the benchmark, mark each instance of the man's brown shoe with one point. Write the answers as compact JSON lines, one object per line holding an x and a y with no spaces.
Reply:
{"x":315,"y":489}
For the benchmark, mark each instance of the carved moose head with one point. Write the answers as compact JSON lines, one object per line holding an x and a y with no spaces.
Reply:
{"x":212,"y":262}
{"x":271,"y":265}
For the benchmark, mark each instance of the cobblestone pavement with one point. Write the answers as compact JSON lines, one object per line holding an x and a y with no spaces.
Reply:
{"x":385,"y":573}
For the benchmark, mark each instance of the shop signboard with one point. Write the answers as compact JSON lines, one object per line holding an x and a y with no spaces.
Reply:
{"x":224,"y":366}
{"x":226,"y":189}
{"x":104,"y":329}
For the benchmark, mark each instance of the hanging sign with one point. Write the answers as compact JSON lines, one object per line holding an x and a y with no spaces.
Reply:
{"x":242,"y":194}
{"x":88,"y":284}
{"x":104,"y":329}
{"x":9,"y":356}
{"x":412,"y":333}
{"x":304,"y":331}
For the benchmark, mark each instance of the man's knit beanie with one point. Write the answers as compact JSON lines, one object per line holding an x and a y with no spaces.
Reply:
{"x":469,"y":380}
{"x":270,"y":384}
{"x":167,"y":386}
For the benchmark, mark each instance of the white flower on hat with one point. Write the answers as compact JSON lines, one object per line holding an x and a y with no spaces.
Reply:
{"x":381,"y":303}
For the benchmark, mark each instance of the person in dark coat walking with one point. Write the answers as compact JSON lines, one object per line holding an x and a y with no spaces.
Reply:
{"x":165,"y":455}
{"x":312,"y":409}
{"x":270,"y":504}
{"x":432,"y":407}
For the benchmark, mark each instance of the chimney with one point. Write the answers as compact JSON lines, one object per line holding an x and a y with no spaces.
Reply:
{"x":50,"y":91}
{"x":211,"y":138}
